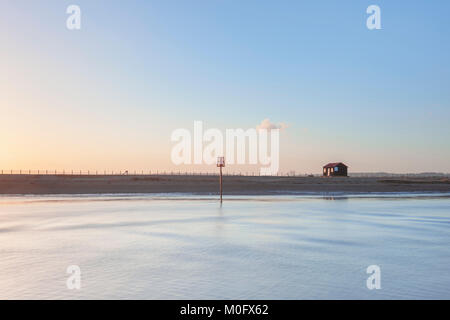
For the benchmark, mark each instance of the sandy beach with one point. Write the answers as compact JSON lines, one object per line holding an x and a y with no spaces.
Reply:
{"x":233,"y":185}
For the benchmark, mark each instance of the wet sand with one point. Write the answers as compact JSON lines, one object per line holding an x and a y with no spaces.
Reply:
{"x":236,"y":185}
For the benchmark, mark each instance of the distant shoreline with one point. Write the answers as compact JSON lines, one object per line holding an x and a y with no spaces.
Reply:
{"x":207,"y":185}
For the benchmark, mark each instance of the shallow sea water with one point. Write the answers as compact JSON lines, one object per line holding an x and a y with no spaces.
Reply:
{"x":190,"y":247}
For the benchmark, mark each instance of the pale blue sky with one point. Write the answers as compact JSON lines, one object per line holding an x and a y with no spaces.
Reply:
{"x":377,"y":99}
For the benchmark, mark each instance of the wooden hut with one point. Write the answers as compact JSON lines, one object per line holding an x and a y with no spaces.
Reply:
{"x":335,"y":169}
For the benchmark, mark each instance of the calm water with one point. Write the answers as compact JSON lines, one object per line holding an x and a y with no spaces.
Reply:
{"x":295,"y":247}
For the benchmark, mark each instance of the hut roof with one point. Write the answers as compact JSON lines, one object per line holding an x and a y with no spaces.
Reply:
{"x":334,"y":164}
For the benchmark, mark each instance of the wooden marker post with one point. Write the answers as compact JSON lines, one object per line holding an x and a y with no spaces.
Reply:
{"x":221,"y":164}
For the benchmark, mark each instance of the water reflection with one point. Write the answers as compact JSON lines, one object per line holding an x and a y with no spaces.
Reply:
{"x":191,"y":247}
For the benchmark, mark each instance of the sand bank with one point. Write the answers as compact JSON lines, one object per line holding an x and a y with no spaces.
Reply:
{"x":237,"y":185}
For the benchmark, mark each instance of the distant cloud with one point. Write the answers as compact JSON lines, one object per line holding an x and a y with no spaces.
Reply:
{"x":266,"y":124}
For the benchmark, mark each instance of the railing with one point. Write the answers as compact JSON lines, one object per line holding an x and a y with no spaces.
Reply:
{"x":229,"y":172}
{"x":141,"y":173}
